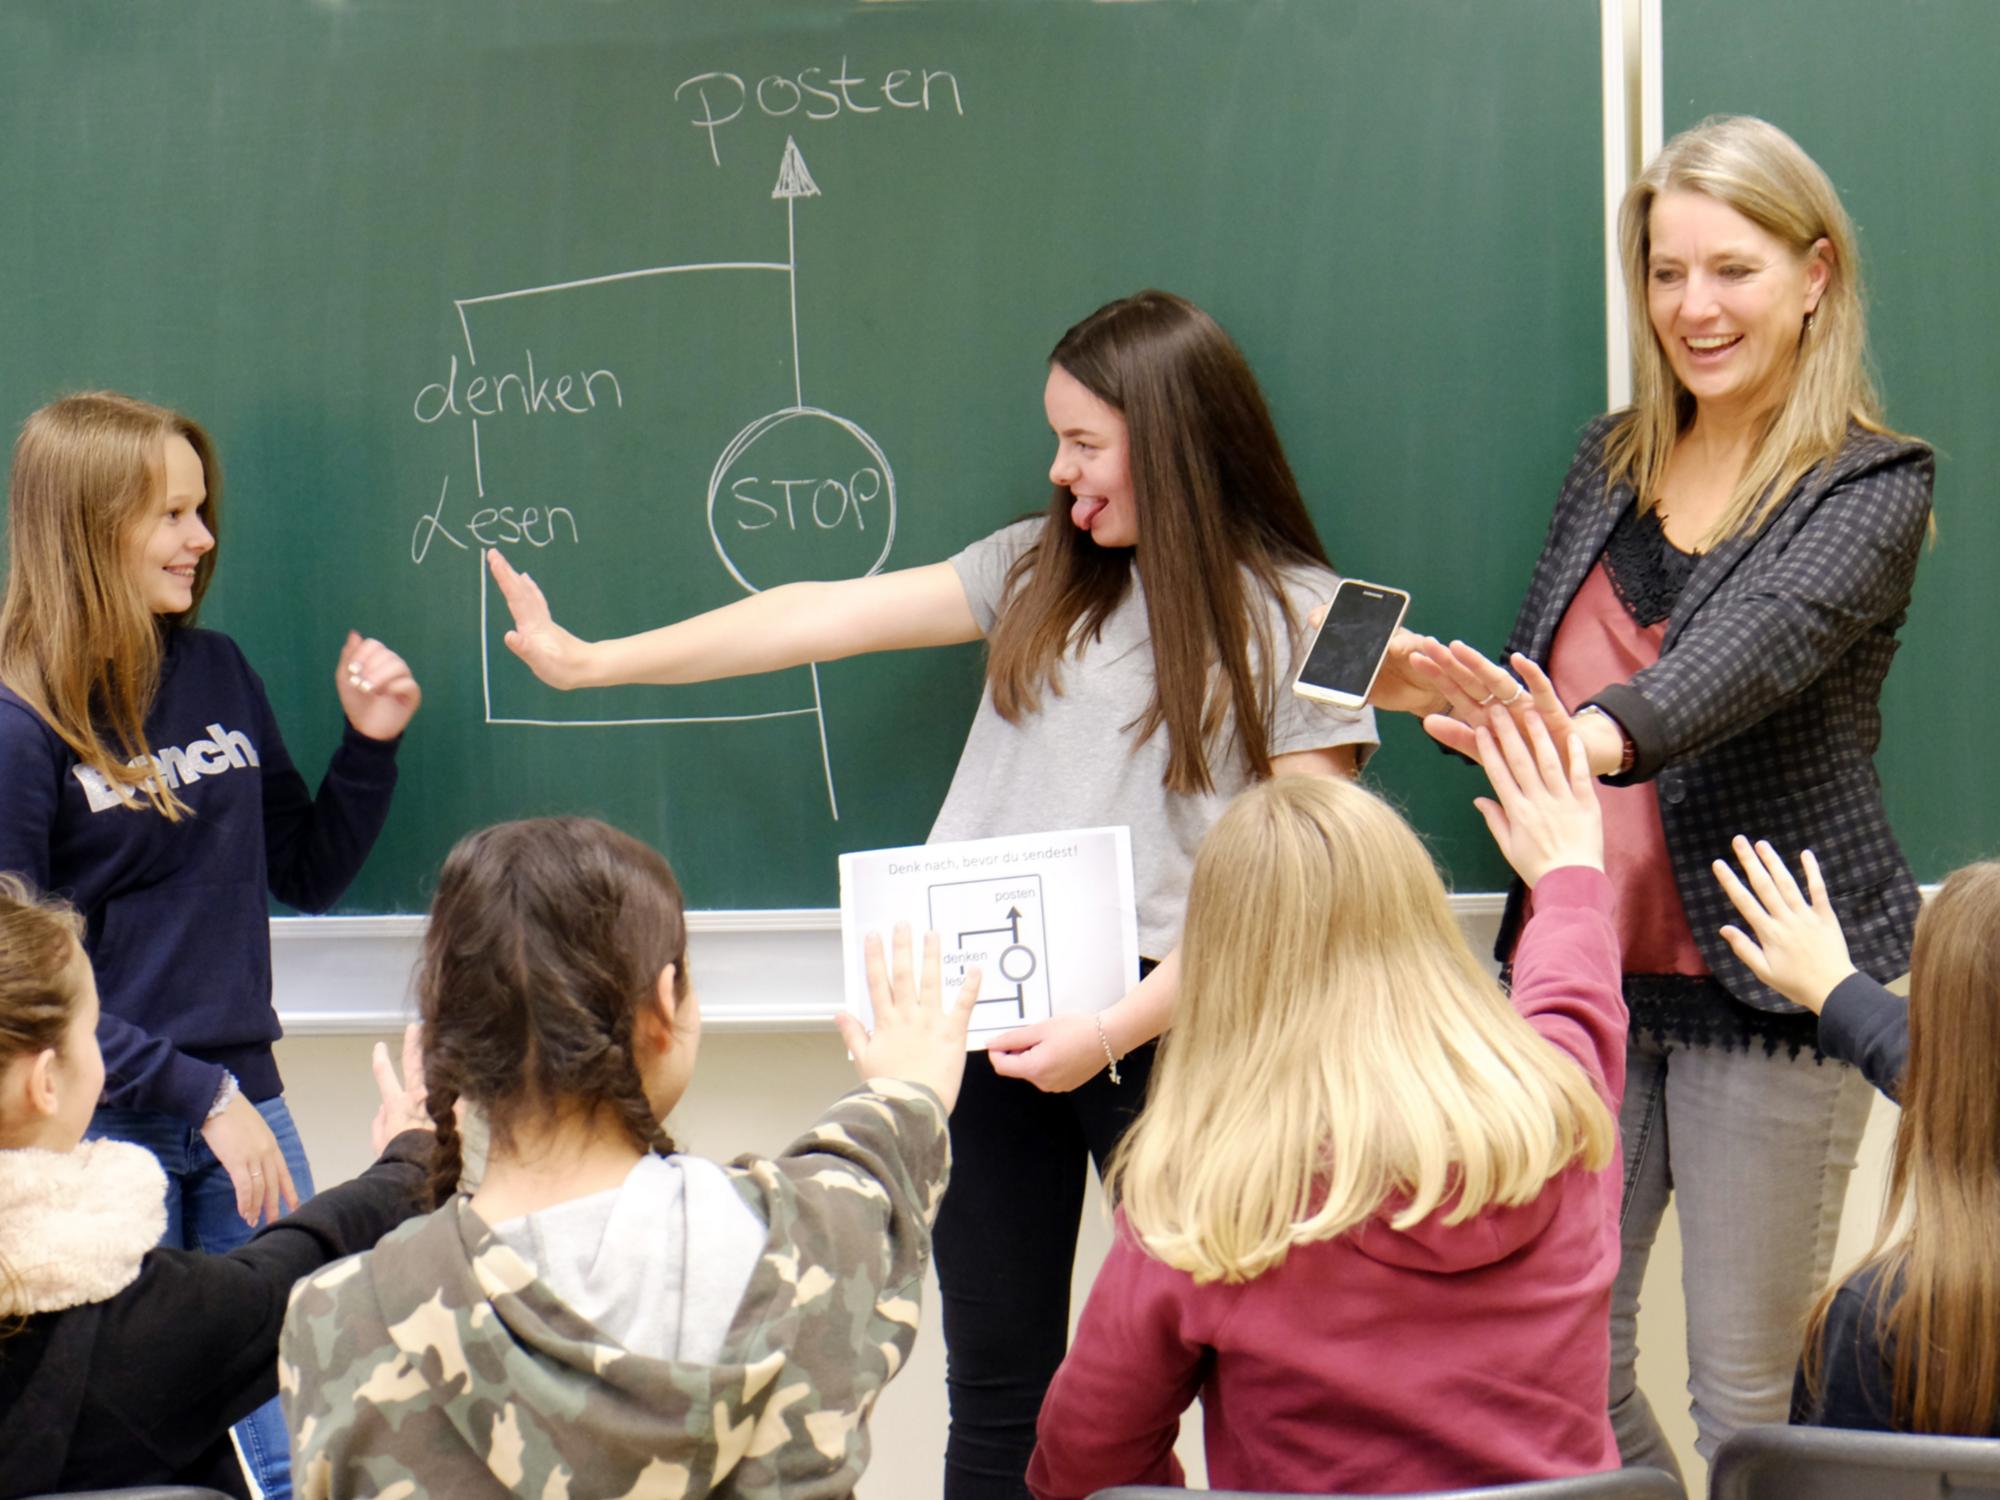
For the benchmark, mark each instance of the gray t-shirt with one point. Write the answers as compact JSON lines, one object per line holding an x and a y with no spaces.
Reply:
{"x":659,"y":1264}
{"x":1078,"y":763}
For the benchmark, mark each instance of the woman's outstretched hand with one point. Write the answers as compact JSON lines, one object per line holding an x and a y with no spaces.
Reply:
{"x":1795,"y":944}
{"x":1543,"y":813}
{"x":1400,"y":685}
{"x":917,"y":1037}
{"x":552,"y":653}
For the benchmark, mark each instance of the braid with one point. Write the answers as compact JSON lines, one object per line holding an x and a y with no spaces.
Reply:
{"x":447,"y":1159}
{"x":627,"y":1096}
{"x":547,"y":939}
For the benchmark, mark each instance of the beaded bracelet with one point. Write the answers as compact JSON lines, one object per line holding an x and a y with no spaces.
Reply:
{"x":1110,"y":1061}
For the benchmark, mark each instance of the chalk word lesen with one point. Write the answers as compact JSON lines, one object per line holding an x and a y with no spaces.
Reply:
{"x":829,"y":507}
{"x":724,"y":96}
{"x":486,"y":396}
{"x":492,"y":526}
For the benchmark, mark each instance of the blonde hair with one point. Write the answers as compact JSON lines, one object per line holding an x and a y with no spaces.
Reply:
{"x":1753,"y":167}
{"x":1337,"y":1049}
{"x":1937,"y":1298}
{"x":77,"y":641}
{"x":39,"y":945}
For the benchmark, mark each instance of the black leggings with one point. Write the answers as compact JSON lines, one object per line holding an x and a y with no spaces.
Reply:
{"x":1006,"y":1249}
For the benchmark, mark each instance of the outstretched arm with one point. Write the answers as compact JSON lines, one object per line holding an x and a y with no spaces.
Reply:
{"x":1791,"y":940}
{"x":786,"y":626}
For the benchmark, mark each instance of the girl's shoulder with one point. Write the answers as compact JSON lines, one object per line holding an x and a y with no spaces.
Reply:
{"x":997,"y":552}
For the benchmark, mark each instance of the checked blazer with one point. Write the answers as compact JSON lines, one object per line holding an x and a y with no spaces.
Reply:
{"x":1763,"y":712}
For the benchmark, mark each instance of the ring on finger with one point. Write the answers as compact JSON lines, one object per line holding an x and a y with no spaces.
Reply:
{"x":1483,"y":702}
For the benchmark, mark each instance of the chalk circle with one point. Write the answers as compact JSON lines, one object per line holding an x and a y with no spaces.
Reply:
{"x":1008,"y":962}
{"x":740,"y":446}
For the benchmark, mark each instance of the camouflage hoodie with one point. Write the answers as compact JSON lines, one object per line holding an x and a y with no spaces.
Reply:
{"x":438,"y":1364}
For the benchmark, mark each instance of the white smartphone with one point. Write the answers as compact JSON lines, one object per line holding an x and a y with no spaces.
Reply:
{"x":1353,"y":638}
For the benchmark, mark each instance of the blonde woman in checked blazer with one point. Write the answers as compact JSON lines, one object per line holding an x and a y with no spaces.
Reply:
{"x":1716,"y":603}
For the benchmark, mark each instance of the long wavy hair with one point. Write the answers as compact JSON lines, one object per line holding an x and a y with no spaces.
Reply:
{"x":1220,"y":516}
{"x":545,"y":938}
{"x":1756,"y":169}
{"x":77,"y":641}
{"x":1337,"y":1050}
{"x":1937,"y":1254}
{"x":40,"y":943}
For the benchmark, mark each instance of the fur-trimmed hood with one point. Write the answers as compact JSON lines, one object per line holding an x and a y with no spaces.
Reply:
{"x":75,"y":1225}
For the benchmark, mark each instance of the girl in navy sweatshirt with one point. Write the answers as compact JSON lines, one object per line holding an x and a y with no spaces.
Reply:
{"x":1910,"y":1340}
{"x":143,"y":778}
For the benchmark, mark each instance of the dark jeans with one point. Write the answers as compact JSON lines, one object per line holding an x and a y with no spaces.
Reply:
{"x":1006,"y":1246}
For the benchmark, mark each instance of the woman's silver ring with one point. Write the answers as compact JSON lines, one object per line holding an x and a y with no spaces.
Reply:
{"x":1483,"y":702}
{"x":255,"y":1173}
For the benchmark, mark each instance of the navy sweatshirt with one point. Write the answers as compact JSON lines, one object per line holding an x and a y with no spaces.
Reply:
{"x":178,"y":920}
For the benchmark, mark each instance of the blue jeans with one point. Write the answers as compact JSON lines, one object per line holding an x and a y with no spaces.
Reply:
{"x":1755,"y":1150}
{"x":201,"y":1215}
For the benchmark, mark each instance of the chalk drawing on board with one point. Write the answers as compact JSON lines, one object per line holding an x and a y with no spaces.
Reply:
{"x":1007,"y":946}
{"x":864,"y":487}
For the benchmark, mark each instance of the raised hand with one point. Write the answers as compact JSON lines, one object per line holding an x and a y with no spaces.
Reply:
{"x":1543,"y":813}
{"x":917,"y":1038}
{"x":553,"y":654}
{"x":402,"y":1106}
{"x":377,"y":692}
{"x":1795,"y":944}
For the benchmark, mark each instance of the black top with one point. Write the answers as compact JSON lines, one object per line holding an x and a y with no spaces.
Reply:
{"x":1864,"y":1024}
{"x":1857,"y":1380}
{"x":143,"y":1388}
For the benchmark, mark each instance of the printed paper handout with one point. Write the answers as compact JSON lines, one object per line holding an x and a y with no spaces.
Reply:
{"x":1049,"y":919}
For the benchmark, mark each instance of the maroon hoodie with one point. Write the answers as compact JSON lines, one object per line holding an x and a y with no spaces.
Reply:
{"x":1380,"y":1361}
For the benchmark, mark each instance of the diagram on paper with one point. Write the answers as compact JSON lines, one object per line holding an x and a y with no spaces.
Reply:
{"x":1049,"y":919}
{"x":797,"y":487}
{"x":997,"y":927}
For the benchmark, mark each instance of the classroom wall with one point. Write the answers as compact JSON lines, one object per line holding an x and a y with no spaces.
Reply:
{"x":755,"y":1091}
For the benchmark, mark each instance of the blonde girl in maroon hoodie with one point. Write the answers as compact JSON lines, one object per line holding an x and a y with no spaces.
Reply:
{"x":1370,"y":1212}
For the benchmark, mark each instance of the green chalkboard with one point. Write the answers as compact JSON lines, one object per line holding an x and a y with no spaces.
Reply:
{"x":1896,"y":100}
{"x":429,"y":273}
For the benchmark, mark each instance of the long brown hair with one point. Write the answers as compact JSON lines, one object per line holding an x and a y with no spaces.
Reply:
{"x":77,"y":642}
{"x":1753,"y":167}
{"x":40,"y":941}
{"x":1216,"y":500}
{"x":544,"y":939}
{"x":1937,"y":1282}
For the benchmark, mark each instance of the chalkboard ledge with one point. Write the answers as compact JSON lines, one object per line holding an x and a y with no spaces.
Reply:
{"x":756,"y":971}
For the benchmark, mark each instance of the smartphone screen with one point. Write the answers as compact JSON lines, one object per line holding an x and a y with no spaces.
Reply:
{"x":1348,"y":650}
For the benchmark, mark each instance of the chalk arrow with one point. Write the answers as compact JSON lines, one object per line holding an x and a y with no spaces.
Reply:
{"x":794,"y":181}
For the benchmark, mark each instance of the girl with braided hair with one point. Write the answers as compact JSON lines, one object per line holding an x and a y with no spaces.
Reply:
{"x":599,"y":1315}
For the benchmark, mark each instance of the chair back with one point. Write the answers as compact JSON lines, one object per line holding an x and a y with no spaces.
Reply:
{"x":1614,"y":1484}
{"x":1832,"y":1463}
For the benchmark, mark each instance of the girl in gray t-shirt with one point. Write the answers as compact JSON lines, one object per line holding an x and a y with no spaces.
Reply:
{"x":1140,"y":634}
